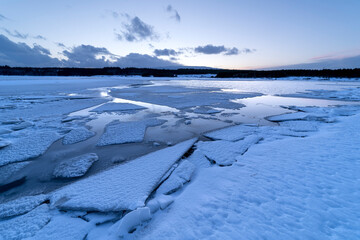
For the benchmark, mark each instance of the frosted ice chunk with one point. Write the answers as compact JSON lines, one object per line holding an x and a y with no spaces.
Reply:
{"x":232,"y":133}
{"x":78,"y":135}
{"x":21,"y":205}
{"x":4,"y":143}
{"x":8,"y":170}
{"x":301,"y":126}
{"x":25,"y":226}
{"x":27,"y":147}
{"x":64,"y":228}
{"x":199,"y":159}
{"x":122,"y":187}
{"x":126,"y":132}
{"x":75,"y":167}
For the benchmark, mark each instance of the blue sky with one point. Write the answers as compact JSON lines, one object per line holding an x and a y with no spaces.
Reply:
{"x":232,"y":34}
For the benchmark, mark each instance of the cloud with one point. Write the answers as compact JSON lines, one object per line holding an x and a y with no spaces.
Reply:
{"x":2,"y":17}
{"x":211,"y":49}
{"x":137,"y":30}
{"x":330,"y":63}
{"x":59,"y":44}
{"x":174,"y":13}
{"x":40,"y":37}
{"x":22,"y":55}
{"x":16,"y":34}
{"x":165,"y":52}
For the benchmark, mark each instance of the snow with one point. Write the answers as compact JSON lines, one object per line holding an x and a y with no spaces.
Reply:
{"x":77,"y":135}
{"x":117,"y":107}
{"x":9,"y":170}
{"x":301,"y":126}
{"x":224,"y":152}
{"x":130,"y":221}
{"x":26,"y":225}
{"x":306,"y":190}
{"x":75,"y":167}
{"x":4,"y":143}
{"x":233,"y":133}
{"x":178,"y":177}
{"x":21,"y":205}
{"x":126,"y":132}
{"x":198,"y":159}
{"x":64,"y":228}
{"x":21,"y":126}
{"x":30,"y":146}
{"x":126,"y":186}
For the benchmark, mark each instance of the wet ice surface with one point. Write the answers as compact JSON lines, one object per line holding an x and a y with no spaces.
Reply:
{"x":120,"y":119}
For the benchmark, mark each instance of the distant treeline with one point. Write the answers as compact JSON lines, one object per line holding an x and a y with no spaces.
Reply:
{"x":147,"y":72}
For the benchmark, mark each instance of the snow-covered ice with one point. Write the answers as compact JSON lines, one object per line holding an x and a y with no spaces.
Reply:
{"x":233,"y":133}
{"x":224,"y":152}
{"x":126,"y":186}
{"x":28,"y":147}
{"x":21,"y":205}
{"x":126,"y":132}
{"x":64,"y":228}
{"x":306,"y":190}
{"x":8,"y":170}
{"x":25,"y":225}
{"x":78,"y":135}
{"x":75,"y":167}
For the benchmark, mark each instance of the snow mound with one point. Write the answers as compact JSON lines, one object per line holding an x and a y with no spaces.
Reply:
{"x":27,"y":147}
{"x":178,"y":177}
{"x":223,"y":152}
{"x":115,"y":107}
{"x":21,"y":205}
{"x":26,"y":225}
{"x":123,"y":187}
{"x":75,"y":167}
{"x":233,"y":133}
{"x":77,"y":135}
{"x":128,"y":223}
{"x":64,"y":228}
{"x":126,"y":132}
{"x":8,"y":170}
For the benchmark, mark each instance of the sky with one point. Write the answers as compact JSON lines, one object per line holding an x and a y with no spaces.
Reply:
{"x":232,"y":34}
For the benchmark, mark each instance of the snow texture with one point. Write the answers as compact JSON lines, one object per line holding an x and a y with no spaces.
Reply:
{"x":64,"y":228}
{"x":233,"y":133}
{"x":9,"y":170}
{"x":223,"y":152}
{"x":21,"y":205}
{"x":27,"y":147}
{"x":26,"y":225}
{"x":306,"y":190}
{"x":117,"y":107}
{"x":77,"y":135}
{"x":123,"y":187}
{"x":4,"y":143}
{"x":301,"y":126}
{"x":178,"y":177}
{"x":75,"y":167}
{"x":126,"y":132}
{"x":130,"y":221}
{"x":198,"y":159}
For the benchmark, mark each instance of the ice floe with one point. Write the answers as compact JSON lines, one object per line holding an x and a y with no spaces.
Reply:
{"x":75,"y":167}
{"x":126,"y":186}
{"x":11,"y":169}
{"x":126,"y":132}
{"x":233,"y":133}
{"x":30,"y":146}
{"x":78,"y":135}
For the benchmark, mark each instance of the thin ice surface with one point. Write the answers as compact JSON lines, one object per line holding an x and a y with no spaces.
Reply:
{"x":75,"y":167}
{"x":123,"y":187}
{"x":117,"y":107}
